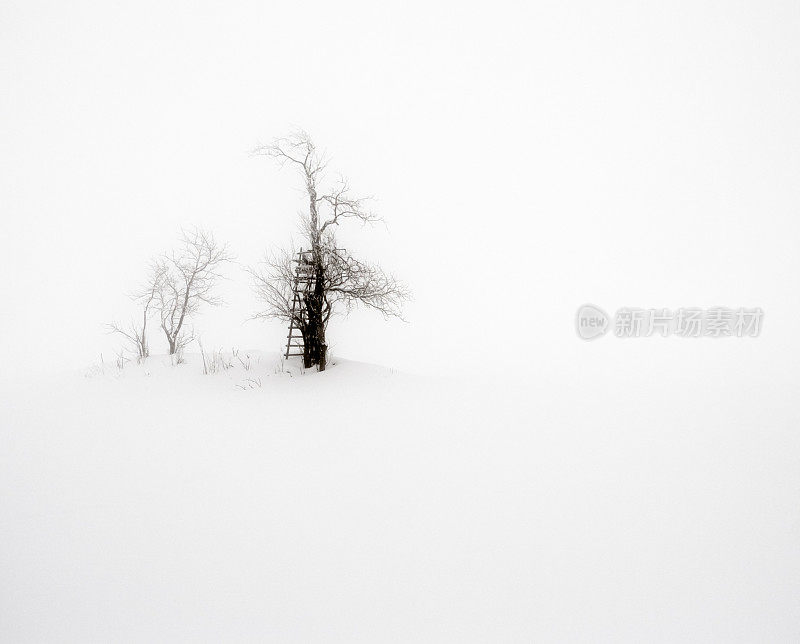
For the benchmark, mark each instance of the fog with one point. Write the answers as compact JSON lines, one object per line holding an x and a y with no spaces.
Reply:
{"x":527,"y":158}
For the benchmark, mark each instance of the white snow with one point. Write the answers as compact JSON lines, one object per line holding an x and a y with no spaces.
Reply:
{"x":160,"y":504}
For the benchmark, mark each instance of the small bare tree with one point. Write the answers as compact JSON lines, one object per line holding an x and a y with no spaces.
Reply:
{"x":186,"y":279}
{"x":136,"y":331}
{"x":338,"y":278}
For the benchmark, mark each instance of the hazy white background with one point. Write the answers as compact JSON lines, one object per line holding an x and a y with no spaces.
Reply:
{"x":528,"y":158}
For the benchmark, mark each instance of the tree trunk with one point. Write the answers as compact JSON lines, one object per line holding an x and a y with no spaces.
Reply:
{"x":144,"y":352}
{"x":318,"y":328}
{"x":173,"y":344}
{"x":314,"y":339}
{"x":314,"y":346}
{"x":307,"y":349}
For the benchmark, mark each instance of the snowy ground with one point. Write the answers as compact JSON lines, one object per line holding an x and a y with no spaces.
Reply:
{"x":161,"y":504}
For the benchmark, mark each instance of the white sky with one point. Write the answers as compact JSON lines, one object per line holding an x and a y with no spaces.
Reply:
{"x":528,"y":157}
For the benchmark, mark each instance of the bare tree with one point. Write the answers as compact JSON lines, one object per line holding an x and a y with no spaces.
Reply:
{"x":338,"y":278}
{"x":136,"y":331}
{"x":186,"y":279}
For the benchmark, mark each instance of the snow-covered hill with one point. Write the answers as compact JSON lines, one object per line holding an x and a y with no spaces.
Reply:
{"x":266,"y":504}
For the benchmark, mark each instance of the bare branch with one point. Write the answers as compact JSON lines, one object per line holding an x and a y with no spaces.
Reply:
{"x":342,"y":205}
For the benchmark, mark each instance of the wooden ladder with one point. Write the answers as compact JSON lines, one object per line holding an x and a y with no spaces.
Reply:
{"x":303,"y":282}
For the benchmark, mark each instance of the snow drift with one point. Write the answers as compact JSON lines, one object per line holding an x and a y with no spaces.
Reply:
{"x":266,"y":504}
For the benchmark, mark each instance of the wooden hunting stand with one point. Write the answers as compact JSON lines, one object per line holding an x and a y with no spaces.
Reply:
{"x":304,"y":281}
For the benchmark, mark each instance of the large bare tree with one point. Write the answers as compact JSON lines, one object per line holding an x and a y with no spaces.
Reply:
{"x":184,"y":280}
{"x":336,"y":278}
